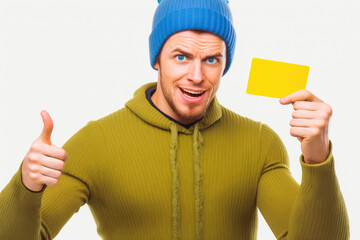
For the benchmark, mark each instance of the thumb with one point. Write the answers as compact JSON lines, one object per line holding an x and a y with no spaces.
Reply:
{"x":48,"y":127}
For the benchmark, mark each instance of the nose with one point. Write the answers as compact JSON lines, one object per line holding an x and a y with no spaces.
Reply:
{"x":195,"y":72}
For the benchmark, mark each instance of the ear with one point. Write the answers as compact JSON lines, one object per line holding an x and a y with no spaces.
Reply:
{"x":156,"y":64}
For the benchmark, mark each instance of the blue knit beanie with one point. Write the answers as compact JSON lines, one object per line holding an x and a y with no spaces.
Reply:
{"x":173,"y":16}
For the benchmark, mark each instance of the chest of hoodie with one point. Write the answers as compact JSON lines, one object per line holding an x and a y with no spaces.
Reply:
{"x":139,"y":176}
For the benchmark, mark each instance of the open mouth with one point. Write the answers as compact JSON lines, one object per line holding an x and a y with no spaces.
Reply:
{"x":191,"y":94}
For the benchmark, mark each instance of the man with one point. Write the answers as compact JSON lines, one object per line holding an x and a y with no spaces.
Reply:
{"x":174,"y":163}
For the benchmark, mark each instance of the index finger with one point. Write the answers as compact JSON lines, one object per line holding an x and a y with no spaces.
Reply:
{"x":54,"y":152}
{"x":301,"y":95}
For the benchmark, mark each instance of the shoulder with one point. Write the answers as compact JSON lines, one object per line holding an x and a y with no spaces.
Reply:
{"x":120,"y":119}
{"x":259,"y":136}
{"x":237,"y":125}
{"x":235,"y":121}
{"x":114,"y":117}
{"x":95,"y":132}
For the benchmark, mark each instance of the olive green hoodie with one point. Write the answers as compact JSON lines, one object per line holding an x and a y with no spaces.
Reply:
{"x":146,"y":177}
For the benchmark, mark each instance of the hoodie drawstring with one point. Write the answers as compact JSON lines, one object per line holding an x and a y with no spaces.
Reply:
{"x":197,"y":141}
{"x":175,"y":218}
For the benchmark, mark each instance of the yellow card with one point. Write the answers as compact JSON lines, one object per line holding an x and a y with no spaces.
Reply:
{"x":276,"y":79}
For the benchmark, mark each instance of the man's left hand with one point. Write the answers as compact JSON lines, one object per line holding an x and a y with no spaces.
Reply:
{"x":309,"y":123}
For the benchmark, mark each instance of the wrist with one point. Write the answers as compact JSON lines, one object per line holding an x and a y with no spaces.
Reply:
{"x":320,"y":157}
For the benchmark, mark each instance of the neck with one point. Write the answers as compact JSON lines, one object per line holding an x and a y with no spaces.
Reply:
{"x":150,"y":97}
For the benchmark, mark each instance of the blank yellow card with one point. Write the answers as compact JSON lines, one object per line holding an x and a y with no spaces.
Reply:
{"x":276,"y":79}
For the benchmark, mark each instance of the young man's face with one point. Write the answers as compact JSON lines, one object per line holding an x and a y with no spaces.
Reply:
{"x":190,"y":66}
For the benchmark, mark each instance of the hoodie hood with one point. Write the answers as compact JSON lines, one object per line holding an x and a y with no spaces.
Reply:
{"x":140,"y":106}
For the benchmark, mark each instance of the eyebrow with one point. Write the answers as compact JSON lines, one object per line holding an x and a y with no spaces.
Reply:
{"x":183,"y":52}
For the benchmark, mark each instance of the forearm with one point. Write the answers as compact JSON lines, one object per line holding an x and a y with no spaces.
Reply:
{"x":20,"y":216}
{"x":319,"y":210}
{"x":314,"y":210}
{"x":39,"y":215}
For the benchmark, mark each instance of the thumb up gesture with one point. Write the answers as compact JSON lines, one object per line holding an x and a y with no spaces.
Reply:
{"x":44,"y":162}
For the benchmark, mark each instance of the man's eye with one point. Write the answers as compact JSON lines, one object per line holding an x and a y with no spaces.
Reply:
{"x":211,"y":60}
{"x":181,"y":58}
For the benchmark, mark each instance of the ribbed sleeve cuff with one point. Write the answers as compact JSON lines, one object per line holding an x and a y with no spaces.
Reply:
{"x":319,"y":174}
{"x":23,"y":194}
{"x":319,"y":178}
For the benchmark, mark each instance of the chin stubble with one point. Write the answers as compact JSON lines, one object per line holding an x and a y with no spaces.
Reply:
{"x":183,"y":117}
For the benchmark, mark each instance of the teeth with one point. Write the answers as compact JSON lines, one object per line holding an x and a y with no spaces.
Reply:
{"x":192,"y":92}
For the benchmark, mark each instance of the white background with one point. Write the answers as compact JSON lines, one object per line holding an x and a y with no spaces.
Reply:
{"x":81,"y":60}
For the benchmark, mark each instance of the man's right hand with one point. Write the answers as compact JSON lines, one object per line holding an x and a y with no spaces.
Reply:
{"x":44,"y":162}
